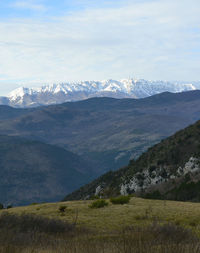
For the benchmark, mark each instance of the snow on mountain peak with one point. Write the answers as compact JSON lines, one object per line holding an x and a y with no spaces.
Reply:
{"x":19,"y":92}
{"x":63,"y":92}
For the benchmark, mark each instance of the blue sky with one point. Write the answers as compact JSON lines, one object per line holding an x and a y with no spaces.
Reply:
{"x":55,"y":41}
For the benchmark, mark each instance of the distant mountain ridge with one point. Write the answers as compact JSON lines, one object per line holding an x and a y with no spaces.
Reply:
{"x":106,"y":131}
{"x":88,"y":138}
{"x":74,"y":91}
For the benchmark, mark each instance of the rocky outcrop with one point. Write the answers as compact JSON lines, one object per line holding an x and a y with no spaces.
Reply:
{"x":154,"y":176}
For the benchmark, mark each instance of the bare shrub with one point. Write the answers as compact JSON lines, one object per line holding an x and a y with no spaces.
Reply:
{"x":29,"y":222}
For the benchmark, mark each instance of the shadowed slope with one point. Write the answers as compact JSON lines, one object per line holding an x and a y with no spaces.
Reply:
{"x":32,"y":171}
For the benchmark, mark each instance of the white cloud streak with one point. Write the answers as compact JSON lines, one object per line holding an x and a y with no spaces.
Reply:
{"x":152,"y":40}
{"x":29,"y":4}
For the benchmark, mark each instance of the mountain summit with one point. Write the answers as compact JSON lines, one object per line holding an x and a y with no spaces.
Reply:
{"x":74,"y":91}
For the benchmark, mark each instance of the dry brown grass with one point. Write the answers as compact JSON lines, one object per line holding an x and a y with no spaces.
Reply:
{"x":113,"y":217}
{"x":155,"y":238}
{"x":141,"y":226}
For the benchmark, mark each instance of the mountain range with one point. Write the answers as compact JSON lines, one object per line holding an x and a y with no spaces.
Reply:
{"x":107,"y":132}
{"x":82,"y":140}
{"x":60,"y":93}
{"x":168,"y":170}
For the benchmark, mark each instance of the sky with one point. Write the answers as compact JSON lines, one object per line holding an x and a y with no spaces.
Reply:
{"x":48,"y":41}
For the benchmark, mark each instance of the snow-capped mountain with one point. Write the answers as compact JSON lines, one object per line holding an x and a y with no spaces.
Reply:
{"x":59,"y":93}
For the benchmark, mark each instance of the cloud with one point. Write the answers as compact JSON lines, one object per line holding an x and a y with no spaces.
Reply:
{"x":145,"y":39}
{"x":30,"y":5}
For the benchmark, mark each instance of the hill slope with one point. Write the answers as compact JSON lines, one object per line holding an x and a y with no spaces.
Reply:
{"x":109,"y":132}
{"x":138,"y":212}
{"x":32,"y":171}
{"x":7,"y":112}
{"x":170,"y":169}
{"x":140,"y":226}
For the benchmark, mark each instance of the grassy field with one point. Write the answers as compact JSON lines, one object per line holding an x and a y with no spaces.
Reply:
{"x":141,"y":226}
{"x":113,"y":217}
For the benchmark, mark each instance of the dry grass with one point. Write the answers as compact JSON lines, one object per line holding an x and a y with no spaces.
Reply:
{"x":155,"y":238}
{"x":141,"y":226}
{"x":113,"y":217}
